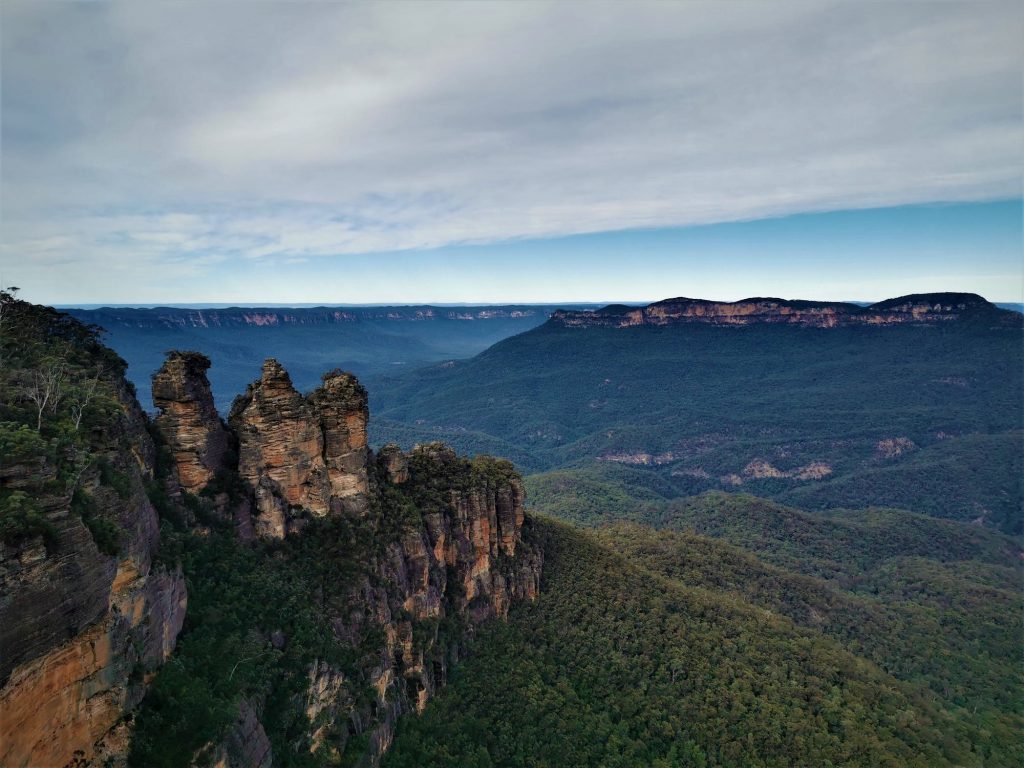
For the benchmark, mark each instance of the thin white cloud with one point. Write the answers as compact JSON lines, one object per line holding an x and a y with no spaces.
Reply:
{"x":145,"y":133}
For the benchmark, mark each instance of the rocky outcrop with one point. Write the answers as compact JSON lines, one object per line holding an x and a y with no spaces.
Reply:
{"x":301,"y":453}
{"x":340,"y":404}
{"x":188,"y":419}
{"x":639,"y":458}
{"x":759,"y":469}
{"x":246,"y":744}
{"x":918,"y":309}
{"x":280,"y":443}
{"x":395,"y":463}
{"x":894,"y":447}
{"x":452,"y":554}
{"x":82,"y":628}
{"x":467,"y":561}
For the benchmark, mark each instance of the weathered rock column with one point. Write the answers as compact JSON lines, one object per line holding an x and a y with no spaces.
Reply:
{"x":342,"y":405}
{"x":188,"y":419}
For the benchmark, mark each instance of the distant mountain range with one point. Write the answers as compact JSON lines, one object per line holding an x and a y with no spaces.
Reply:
{"x":222,"y":317}
{"x":918,"y":308}
{"x":308,"y":340}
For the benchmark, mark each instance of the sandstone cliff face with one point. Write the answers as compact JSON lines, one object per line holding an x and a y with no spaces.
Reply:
{"x":188,"y":419}
{"x":340,"y":405}
{"x":301,"y":453}
{"x":461,"y":559}
{"x":200,"y":445}
{"x":280,"y":442}
{"x":467,"y":562}
{"x":923,"y":308}
{"x":88,"y":614}
{"x":246,"y":745}
{"x":82,"y":629}
{"x":395,"y":463}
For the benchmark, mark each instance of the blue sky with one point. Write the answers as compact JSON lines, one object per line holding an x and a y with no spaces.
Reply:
{"x":847,"y":255}
{"x":510,"y":151}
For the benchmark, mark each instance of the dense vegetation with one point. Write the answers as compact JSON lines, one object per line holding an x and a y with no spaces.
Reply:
{"x":260,"y":614}
{"x":829,"y":544}
{"x":923,"y":417}
{"x":61,"y":413}
{"x":920,"y":618}
{"x":683,"y":651}
{"x":241,"y":600}
{"x":843,"y":543}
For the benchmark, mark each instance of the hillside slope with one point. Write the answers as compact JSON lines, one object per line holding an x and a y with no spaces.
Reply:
{"x":682,"y":651}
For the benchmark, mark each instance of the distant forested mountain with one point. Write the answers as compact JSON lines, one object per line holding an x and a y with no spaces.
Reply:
{"x":914,"y":403}
{"x":307,"y":340}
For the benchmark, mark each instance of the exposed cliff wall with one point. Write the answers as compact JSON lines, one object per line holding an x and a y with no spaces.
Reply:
{"x":280,"y":446}
{"x":918,"y":308}
{"x":460,"y":561}
{"x":391,"y":563}
{"x":86,"y":614}
{"x":301,"y":453}
{"x":341,"y":406}
{"x":188,"y":419}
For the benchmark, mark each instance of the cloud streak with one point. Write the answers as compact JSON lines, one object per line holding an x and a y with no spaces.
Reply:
{"x":143,"y":135}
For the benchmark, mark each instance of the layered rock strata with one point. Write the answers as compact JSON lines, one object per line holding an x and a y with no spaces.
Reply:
{"x":466,"y":561}
{"x":253,"y":317}
{"x":82,"y":630}
{"x":301,"y":453}
{"x":188,"y":419}
{"x":341,"y":406}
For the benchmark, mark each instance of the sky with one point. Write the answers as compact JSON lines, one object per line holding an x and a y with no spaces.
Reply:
{"x":166,"y":152}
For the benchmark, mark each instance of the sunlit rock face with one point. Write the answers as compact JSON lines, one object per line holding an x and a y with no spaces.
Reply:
{"x":82,"y":630}
{"x":302,"y":452}
{"x":280,"y":441}
{"x":340,"y":404}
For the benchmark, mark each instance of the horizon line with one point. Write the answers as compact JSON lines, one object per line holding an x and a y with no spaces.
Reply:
{"x":1019,"y":301}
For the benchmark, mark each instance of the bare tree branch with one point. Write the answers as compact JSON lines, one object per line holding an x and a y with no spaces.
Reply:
{"x":84,"y":396}
{"x":46,"y":387}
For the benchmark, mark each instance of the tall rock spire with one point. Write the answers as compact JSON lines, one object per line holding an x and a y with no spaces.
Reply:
{"x":302,"y":452}
{"x":188,"y":419}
